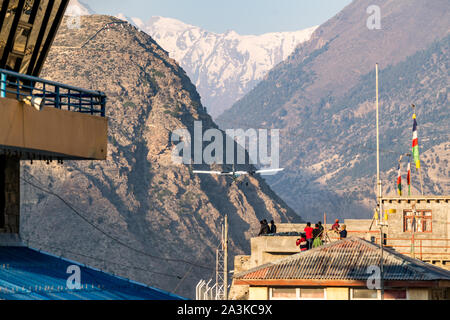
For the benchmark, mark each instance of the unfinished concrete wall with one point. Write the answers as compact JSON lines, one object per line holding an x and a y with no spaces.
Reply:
{"x":9,"y":194}
{"x":238,"y":292}
{"x":267,"y":249}
{"x":241,"y":263}
{"x":431,"y":246}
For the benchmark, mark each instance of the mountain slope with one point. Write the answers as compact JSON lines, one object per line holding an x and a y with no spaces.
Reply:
{"x":322,"y":97}
{"x":138,"y":197}
{"x":224,"y":67}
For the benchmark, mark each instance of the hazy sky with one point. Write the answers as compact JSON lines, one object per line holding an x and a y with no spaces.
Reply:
{"x":243,"y":16}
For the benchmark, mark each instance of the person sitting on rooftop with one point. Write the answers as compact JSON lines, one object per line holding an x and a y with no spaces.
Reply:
{"x":343,"y":232}
{"x":302,"y":242}
{"x":273,"y":227}
{"x":264,"y":228}
{"x":321,"y":229}
{"x":335,"y":227}
{"x":317,"y":233}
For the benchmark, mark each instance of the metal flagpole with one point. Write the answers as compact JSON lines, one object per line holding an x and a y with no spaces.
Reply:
{"x":421,"y":183}
{"x":378,"y":148}
{"x":379,"y":195}
{"x":409,"y":174}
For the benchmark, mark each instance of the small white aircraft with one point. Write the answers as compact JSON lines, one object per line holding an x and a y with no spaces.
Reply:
{"x":236,"y":174}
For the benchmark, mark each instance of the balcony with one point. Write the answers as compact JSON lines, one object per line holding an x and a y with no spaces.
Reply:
{"x":45,"y":120}
{"x":51,"y":94}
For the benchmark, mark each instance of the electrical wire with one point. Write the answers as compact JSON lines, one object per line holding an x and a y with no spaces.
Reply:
{"x":108,"y":235}
{"x":189,"y":271}
{"x":192,"y":265}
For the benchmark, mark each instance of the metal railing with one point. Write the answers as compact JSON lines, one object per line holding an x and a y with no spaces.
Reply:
{"x":52,"y":94}
{"x":434,"y":248}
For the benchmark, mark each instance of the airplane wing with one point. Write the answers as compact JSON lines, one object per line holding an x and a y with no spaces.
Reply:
{"x":208,"y":172}
{"x":269,"y":170}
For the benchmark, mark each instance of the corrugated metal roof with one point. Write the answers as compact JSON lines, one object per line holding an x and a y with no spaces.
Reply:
{"x":346,"y":259}
{"x":26,"y":274}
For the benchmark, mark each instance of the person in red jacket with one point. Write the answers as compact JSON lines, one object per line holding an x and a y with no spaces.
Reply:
{"x":335,"y":227}
{"x":302,"y":242}
{"x":309,"y":234}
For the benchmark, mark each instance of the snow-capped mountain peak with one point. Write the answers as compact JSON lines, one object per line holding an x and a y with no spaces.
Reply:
{"x":78,"y":8}
{"x":224,"y":67}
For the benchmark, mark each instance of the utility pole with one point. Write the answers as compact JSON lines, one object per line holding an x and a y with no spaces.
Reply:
{"x":225,"y":262}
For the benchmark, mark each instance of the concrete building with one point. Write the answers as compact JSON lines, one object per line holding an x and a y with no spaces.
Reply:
{"x":343,"y":270}
{"x":417,"y":227}
{"x":425,"y":235}
{"x":420,"y":227}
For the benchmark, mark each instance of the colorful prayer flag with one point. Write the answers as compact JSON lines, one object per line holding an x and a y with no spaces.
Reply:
{"x":399,"y":181}
{"x":408,"y":178}
{"x":415,"y":144}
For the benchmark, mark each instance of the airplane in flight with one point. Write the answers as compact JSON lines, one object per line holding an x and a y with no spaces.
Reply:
{"x":236,"y":174}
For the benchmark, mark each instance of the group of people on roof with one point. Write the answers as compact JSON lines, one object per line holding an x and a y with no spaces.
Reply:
{"x":313,"y":237}
{"x":266,"y":229}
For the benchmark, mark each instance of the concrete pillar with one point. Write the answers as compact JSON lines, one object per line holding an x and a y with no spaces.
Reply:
{"x":9,"y":194}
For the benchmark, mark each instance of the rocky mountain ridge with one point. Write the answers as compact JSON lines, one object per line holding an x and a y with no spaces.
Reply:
{"x":169,"y":216}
